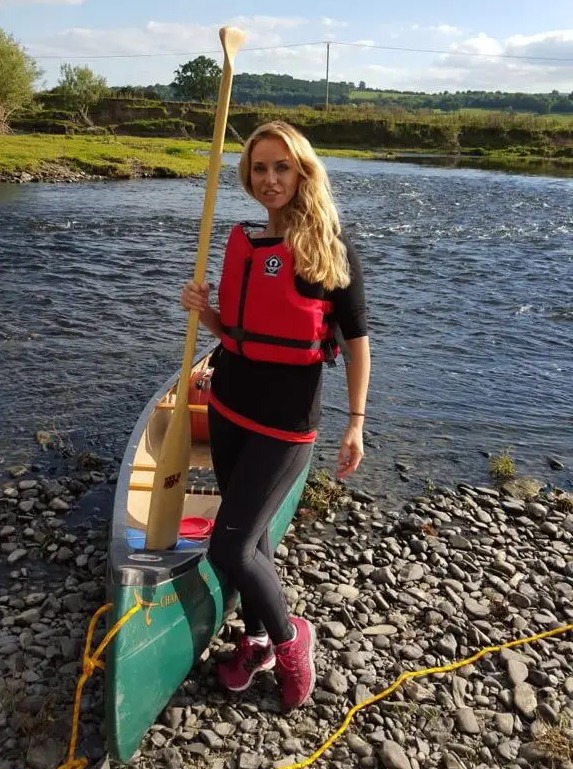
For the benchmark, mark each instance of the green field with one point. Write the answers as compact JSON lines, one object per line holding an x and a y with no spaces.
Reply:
{"x":372,"y":98}
{"x":555,"y":120}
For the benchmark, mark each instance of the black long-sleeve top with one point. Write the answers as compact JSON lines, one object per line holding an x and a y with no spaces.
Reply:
{"x":284,"y":396}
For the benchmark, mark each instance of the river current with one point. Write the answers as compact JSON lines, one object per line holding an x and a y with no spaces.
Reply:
{"x":469,"y":279}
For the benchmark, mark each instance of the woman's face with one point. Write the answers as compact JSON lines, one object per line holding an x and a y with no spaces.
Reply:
{"x":274,"y":177}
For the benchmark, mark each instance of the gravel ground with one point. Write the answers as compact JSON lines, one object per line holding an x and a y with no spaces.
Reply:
{"x":389,"y":591}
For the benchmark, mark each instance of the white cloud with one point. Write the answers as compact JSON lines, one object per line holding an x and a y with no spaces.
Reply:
{"x":155,"y":38}
{"x":166,"y":38}
{"x":154,"y":50}
{"x":482,"y":44}
{"x":446,"y":29}
{"x":332,"y":23}
{"x":442,"y":29}
{"x":558,"y":44}
{"x":260,"y":24}
{"x":484,"y":69}
{"x":163,"y":46}
{"x":364,"y":43}
{"x":491,"y":71}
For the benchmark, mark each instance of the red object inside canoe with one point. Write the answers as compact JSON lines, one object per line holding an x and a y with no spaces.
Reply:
{"x":199,"y":388}
{"x":196,"y":528}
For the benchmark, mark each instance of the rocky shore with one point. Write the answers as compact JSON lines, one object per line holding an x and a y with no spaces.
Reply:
{"x":47,"y":172}
{"x":388,"y":590}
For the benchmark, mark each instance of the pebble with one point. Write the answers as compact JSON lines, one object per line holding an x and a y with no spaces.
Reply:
{"x":385,"y":594}
{"x":525,"y":699}
{"x":393,"y":756}
{"x":517,"y":671}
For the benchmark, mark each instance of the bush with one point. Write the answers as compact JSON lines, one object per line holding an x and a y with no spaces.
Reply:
{"x":502,"y":467}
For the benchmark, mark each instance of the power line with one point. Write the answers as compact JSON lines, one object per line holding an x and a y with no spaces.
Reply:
{"x":458,"y":53}
{"x":184,"y":53}
{"x":303,"y":45}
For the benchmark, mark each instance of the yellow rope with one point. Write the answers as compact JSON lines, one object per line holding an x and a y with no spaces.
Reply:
{"x":418,"y":674}
{"x":90,"y":662}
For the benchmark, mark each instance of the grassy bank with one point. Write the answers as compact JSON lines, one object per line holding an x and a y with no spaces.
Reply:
{"x":45,"y":156}
{"x":358,"y":127}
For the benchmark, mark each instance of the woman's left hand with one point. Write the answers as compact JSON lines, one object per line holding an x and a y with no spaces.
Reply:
{"x":351,"y":451}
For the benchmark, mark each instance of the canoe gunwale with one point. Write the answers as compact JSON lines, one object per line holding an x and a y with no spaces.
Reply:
{"x":124,"y":568}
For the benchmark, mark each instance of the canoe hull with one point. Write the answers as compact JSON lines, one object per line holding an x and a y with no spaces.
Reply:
{"x":184,"y":602}
{"x":155,"y":650}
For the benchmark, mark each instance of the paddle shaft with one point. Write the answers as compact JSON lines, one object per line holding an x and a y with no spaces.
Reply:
{"x":230,"y":38}
{"x":168,"y":494}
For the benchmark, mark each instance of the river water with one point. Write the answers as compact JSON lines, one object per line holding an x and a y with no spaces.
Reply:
{"x":469,"y":279}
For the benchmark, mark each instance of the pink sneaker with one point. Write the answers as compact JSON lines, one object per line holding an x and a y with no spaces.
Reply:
{"x":295,"y":665}
{"x":237,"y":674}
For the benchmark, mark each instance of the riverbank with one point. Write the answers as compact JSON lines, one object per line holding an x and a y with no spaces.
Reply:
{"x":389,"y":590}
{"x":44,"y":157}
{"x":76,"y":158}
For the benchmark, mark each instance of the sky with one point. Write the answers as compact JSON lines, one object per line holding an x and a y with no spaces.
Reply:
{"x":413,"y":45}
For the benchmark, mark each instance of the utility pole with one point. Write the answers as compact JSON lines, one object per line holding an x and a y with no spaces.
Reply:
{"x":327,"y":75}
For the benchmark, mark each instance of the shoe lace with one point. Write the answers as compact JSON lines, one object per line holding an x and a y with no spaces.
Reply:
{"x":294,"y":662}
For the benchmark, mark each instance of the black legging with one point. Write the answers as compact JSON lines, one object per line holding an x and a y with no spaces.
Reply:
{"x":254,"y":473}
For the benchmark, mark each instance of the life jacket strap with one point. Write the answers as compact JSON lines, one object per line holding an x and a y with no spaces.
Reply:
{"x":241,"y":335}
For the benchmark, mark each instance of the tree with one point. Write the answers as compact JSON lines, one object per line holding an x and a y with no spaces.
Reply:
{"x":18,"y":73}
{"x":81,"y":89}
{"x":198,"y":80}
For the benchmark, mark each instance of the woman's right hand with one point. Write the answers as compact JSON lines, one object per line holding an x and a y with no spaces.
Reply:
{"x":195,"y":296}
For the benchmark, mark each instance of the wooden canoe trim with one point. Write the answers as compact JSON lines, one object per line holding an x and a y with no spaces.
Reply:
{"x":199,"y":408}
{"x":191,"y":489}
{"x":136,"y":467}
{"x":211,"y":491}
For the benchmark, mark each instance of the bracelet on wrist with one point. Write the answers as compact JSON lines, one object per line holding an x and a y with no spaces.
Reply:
{"x":357,"y":414}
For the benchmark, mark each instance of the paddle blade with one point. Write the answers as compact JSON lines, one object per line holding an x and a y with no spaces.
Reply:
{"x":231,"y":40}
{"x":169,"y":482}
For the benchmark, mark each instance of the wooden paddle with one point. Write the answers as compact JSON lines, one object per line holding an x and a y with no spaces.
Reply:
{"x":168,"y":494}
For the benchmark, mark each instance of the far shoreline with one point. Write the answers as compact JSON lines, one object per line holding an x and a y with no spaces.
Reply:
{"x":53,"y":158}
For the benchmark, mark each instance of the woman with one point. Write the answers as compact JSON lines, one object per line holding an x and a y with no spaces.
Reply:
{"x":292,"y":280}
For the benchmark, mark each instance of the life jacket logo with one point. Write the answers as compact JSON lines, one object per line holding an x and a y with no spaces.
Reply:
{"x":273,"y":265}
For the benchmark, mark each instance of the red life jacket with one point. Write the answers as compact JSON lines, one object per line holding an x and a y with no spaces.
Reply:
{"x":263,"y":315}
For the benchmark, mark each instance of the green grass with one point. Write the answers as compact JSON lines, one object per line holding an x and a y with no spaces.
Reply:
{"x":115,"y":157}
{"x":365,"y":95}
{"x":557,"y":121}
{"x":366,"y":109}
{"x":358,"y":154}
{"x":502,"y":466}
{"x":123,"y":157}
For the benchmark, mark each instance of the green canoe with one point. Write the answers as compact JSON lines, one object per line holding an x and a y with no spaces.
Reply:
{"x":183,"y":600}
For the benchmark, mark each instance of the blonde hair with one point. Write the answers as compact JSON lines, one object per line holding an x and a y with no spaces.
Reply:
{"x":312,"y":225}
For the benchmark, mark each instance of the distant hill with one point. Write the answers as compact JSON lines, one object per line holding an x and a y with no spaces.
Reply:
{"x":540,"y":103}
{"x":284,"y":90}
